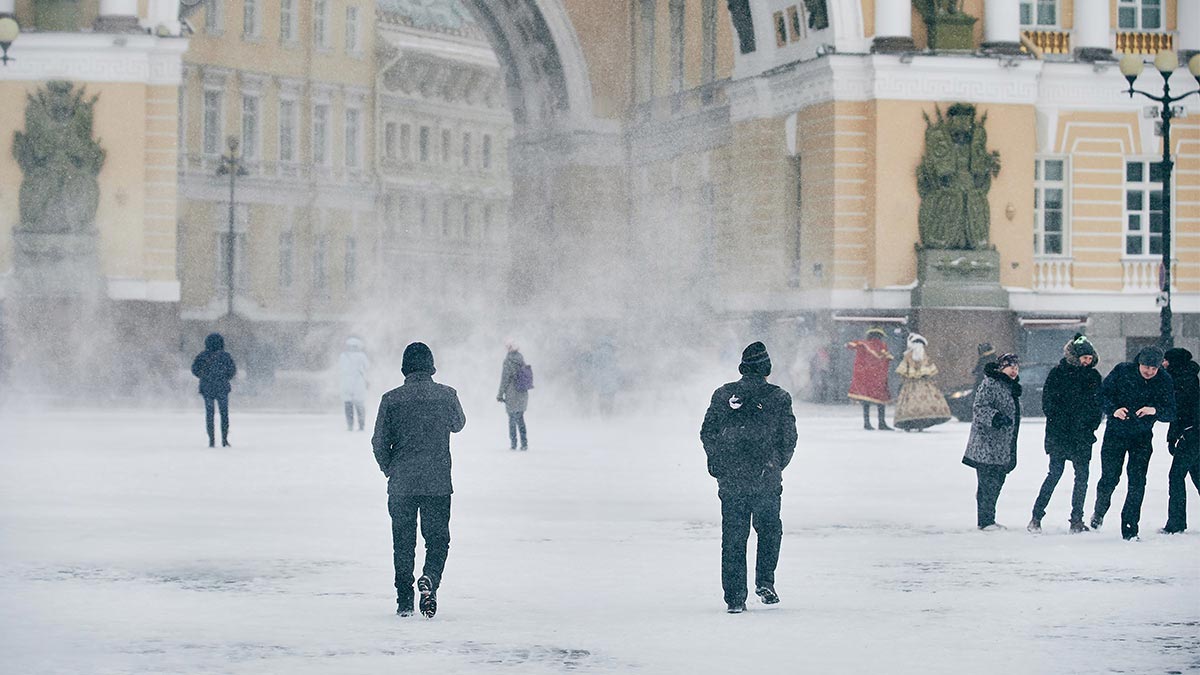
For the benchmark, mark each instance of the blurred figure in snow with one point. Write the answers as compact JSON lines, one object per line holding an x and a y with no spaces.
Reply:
{"x":1183,"y":437}
{"x":920,"y":404}
{"x":352,"y":371}
{"x":215,"y":368}
{"x":516,"y":380}
{"x":869,"y":384}
{"x":992,"y":447}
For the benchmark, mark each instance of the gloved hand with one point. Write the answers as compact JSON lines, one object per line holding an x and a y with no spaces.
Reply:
{"x":500,"y":399}
{"x":1000,"y":420}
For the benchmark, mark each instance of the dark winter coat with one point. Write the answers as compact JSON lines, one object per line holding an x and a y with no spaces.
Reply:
{"x":1184,"y":433}
{"x":749,"y":435}
{"x":1126,"y":388}
{"x":215,"y":367}
{"x":412,"y":436}
{"x":1072,"y":403}
{"x":515,"y":400}
{"x":996,"y":422}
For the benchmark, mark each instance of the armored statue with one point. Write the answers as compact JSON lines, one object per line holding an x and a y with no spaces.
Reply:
{"x":60,"y":160}
{"x":954,"y":178}
{"x":931,"y":9}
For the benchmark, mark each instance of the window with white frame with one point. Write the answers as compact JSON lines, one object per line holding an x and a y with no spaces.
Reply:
{"x":320,"y":274}
{"x":445,"y":146}
{"x":676,"y":11}
{"x":288,"y":123}
{"x":321,"y":24}
{"x":353,"y":137}
{"x":466,"y":149}
{"x":486,"y":152}
{"x":405,"y":142}
{"x":352,"y":46}
{"x":1140,"y":14}
{"x":287,"y":21}
{"x":350,"y":264}
{"x":708,"y":41}
{"x":487,"y":222}
{"x":423,"y":144}
{"x":423,"y":204}
{"x":320,"y":134}
{"x":1049,"y":206}
{"x":389,"y":140}
{"x":213,"y":122}
{"x":287,"y":258}
{"x":213,"y":17}
{"x":446,"y":218}
{"x":1039,"y":13}
{"x":250,"y":128}
{"x":1143,"y":208}
{"x":468,"y":225}
{"x":251,"y":19}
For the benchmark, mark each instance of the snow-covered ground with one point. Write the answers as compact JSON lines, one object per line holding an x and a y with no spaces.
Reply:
{"x":126,"y":546}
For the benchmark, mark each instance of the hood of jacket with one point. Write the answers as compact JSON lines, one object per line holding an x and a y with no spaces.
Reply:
{"x":1181,"y":362}
{"x":214,"y":342}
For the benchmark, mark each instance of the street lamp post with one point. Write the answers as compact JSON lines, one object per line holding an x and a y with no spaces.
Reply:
{"x":9,"y":30}
{"x":231,"y":165}
{"x":1165,"y":63}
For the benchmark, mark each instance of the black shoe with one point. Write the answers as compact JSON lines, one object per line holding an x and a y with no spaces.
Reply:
{"x":867,"y":426}
{"x":212,"y":443}
{"x":404,"y":608}
{"x":225,"y":444}
{"x":524,"y":448}
{"x":1097,"y":521}
{"x":1172,"y":530}
{"x":1035,"y":525}
{"x":767,"y":594}
{"x":1129,"y":532}
{"x":735,"y":608}
{"x":1077,"y":526}
{"x":428,"y":602}
{"x":884,"y":427}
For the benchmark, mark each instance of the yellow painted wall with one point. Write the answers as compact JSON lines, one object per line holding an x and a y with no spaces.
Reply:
{"x":606,"y":41}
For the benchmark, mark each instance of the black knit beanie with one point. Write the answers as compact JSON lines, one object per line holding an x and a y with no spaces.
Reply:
{"x":755,"y":360}
{"x":1080,"y":346}
{"x":1150,"y":356}
{"x":417,"y":359}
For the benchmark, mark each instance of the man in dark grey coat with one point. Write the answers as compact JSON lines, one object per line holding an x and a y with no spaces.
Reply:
{"x":749,"y":435}
{"x":412,"y":447}
{"x":1136,"y":395}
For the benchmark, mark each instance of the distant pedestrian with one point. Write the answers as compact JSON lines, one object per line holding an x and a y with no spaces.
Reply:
{"x":749,"y":435}
{"x":921,"y":404}
{"x":1183,"y":437}
{"x":516,"y":379}
{"x":992,"y":447}
{"x":412,"y":447}
{"x":1071,"y":402}
{"x":353,"y":365}
{"x":1135,"y":395}
{"x":869,"y":383}
{"x":986,"y":354}
{"x":215,"y":368}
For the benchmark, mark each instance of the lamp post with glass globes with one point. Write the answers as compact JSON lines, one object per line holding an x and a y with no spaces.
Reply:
{"x":1165,"y":63}
{"x":231,"y":165}
{"x":9,"y":30}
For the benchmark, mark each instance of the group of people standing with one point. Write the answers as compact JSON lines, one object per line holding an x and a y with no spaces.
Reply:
{"x":920,"y":404}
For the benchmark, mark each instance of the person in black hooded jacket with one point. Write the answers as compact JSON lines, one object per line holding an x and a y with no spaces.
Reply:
{"x":749,"y":435}
{"x":1183,"y":436}
{"x":1071,"y":402}
{"x":1136,"y":395}
{"x":215,"y":368}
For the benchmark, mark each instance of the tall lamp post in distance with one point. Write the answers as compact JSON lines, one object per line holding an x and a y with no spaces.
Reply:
{"x":231,"y":165}
{"x":1165,"y":63}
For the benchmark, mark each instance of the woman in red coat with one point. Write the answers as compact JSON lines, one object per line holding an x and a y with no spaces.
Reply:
{"x":870,"y":382}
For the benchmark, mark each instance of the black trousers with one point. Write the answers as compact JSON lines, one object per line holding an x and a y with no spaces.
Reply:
{"x":516,"y":423}
{"x":351,"y":408}
{"x":739,"y":511}
{"x":1057,"y":463}
{"x":1112,"y":460}
{"x":987,"y":492}
{"x":1184,"y":464}
{"x":221,"y":402}
{"x":435,"y":530}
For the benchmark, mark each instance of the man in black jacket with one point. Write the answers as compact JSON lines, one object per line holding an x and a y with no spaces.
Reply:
{"x":749,"y":435}
{"x":412,"y":447}
{"x":215,"y":368}
{"x":1136,"y":395}
{"x":1071,"y":402}
{"x":1183,"y":437}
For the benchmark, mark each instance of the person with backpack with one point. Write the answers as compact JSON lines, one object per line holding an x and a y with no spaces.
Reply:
{"x":749,"y":436}
{"x":215,"y":368}
{"x":516,"y":379}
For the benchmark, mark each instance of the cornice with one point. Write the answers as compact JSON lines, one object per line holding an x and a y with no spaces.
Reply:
{"x":84,"y":57}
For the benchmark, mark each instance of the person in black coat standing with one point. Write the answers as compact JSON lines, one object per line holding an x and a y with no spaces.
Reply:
{"x":1183,"y":436}
{"x":749,"y":435}
{"x":215,"y":368}
{"x":1136,"y":395}
{"x":412,"y":448}
{"x":1071,"y":402}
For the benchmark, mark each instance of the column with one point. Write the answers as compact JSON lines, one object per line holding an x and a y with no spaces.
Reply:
{"x":1189,"y":30}
{"x":1093,"y":30}
{"x":1002,"y":27}
{"x":117,"y":16}
{"x":893,"y":27}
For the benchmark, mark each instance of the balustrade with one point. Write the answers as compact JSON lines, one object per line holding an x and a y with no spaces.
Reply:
{"x":1052,"y":274}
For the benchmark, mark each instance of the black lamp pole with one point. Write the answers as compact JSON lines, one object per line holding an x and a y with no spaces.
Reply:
{"x":231,"y":165}
{"x":1165,"y":64}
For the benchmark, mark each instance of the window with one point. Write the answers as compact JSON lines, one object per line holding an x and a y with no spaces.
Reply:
{"x":212,"y":18}
{"x":467,"y":224}
{"x":780,"y":29}
{"x":405,"y":142}
{"x":645,"y":49}
{"x":487,"y":222}
{"x":287,"y":21}
{"x":487,"y":151}
{"x":320,"y":134}
{"x":1140,"y":14}
{"x":321,"y":24}
{"x":250,"y":19}
{"x":466,"y":149}
{"x":445,"y":146}
{"x":1049,"y":215}
{"x":350,"y":269}
{"x":212,"y":122}
{"x":320,"y":276}
{"x":676,"y":9}
{"x":795,"y":29}
{"x":389,"y":140}
{"x":353,"y":135}
{"x":424,"y":206}
{"x":708,"y":29}
{"x":446,"y":219}
{"x":250,"y":126}
{"x":287,"y":253}
{"x":818,"y":14}
{"x":287,"y":130}
{"x":1143,"y":208}
{"x":423,"y":144}
{"x":1038,"y":13}
{"x":352,"y":46}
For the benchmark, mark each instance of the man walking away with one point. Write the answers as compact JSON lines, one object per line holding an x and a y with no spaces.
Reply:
{"x":1071,"y":402}
{"x":1183,"y":437}
{"x":749,"y":435}
{"x":215,"y":368}
{"x":514,"y":394}
{"x":352,"y":373}
{"x":1136,"y":395}
{"x":412,"y":447}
